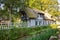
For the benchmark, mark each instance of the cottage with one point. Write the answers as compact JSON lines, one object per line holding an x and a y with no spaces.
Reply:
{"x":35,"y":17}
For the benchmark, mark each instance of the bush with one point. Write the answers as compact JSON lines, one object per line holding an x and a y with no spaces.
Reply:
{"x":15,"y":33}
{"x":45,"y":35}
{"x":53,"y":26}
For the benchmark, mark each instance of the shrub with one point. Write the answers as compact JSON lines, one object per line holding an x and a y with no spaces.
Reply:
{"x":53,"y":26}
{"x":45,"y":35}
{"x":15,"y":33}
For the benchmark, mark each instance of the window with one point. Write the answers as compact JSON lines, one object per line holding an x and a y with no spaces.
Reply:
{"x":30,"y":21}
{"x":39,"y":22}
{"x":43,"y":22}
{"x":36,"y":23}
{"x":42,"y":16}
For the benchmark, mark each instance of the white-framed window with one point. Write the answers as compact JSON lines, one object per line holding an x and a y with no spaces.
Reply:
{"x":39,"y":22}
{"x":36,"y":22}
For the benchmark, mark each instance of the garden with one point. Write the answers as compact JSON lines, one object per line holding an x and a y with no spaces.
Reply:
{"x":35,"y":33}
{"x":23,"y":10}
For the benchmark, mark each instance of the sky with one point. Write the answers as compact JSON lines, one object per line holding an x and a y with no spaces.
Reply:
{"x":59,"y":1}
{"x":1,"y":6}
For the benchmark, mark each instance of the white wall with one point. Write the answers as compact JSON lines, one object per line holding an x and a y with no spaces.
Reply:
{"x":40,"y":21}
{"x":45,"y":22}
{"x":31,"y":22}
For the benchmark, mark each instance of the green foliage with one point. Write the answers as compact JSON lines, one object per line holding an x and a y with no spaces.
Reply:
{"x":4,"y":14}
{"x":54,"y":26}
{"x":43,"y":5}
{"x":15,"y":33}
{"x":12,"y":7}
{"x":44,"y":35}
{"x":49,"y":5}
{"x":29,"y":2}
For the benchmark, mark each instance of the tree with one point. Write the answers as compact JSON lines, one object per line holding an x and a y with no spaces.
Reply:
{"x":13,"y":7}
{"x":50,"y":5}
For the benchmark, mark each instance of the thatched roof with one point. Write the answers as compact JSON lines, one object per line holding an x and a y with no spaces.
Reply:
{"x":32,"y":13}
{"x":38,"y":11}
{"x":48,"y":16}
